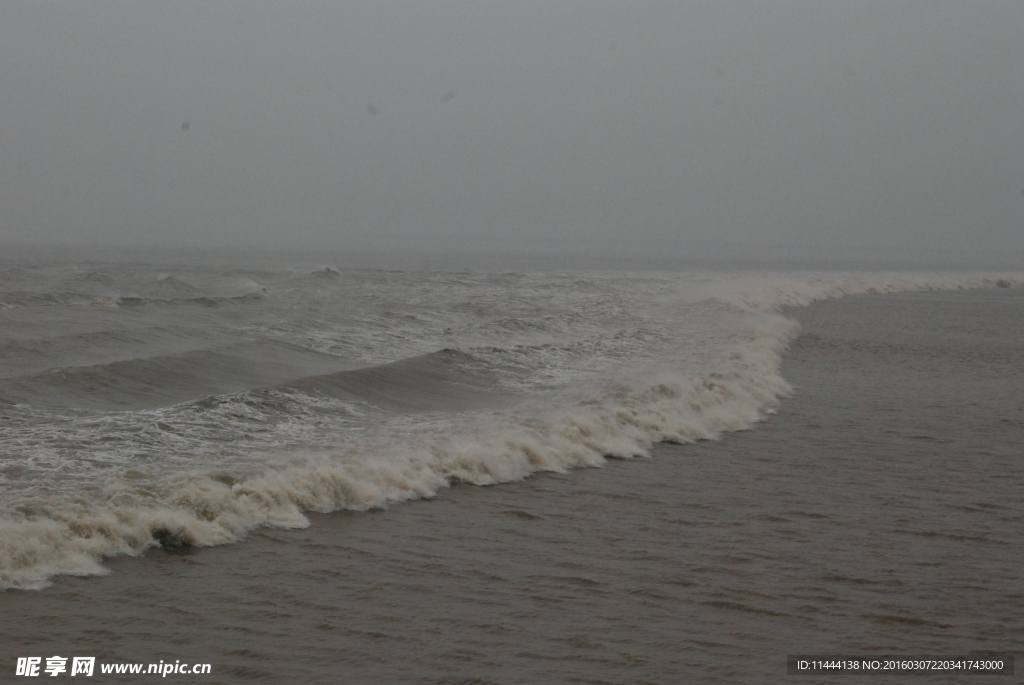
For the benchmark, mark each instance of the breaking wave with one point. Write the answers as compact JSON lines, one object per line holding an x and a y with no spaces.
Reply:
{"x":364,"y":438}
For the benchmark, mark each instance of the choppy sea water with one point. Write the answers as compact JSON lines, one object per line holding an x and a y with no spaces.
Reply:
{"x":878,"y":510}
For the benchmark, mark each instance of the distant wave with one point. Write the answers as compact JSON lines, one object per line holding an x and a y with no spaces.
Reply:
{"x":202,"y":300}
{"x":167,"y":379}
{"x":431,"y":382}
{"x":71,"y":298}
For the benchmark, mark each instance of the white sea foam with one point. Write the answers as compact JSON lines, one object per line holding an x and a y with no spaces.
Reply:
{"x":701,"y":358}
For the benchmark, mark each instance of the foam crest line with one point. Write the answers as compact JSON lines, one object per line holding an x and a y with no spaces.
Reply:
{"x":773,"y":291}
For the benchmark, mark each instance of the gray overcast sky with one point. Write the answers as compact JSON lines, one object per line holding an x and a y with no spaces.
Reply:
{"x":835,"y":128}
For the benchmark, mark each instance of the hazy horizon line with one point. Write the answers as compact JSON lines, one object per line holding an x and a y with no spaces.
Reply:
{"x":655,"y":257}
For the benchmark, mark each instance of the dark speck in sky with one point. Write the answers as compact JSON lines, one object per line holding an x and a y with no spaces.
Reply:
{"x":184,"y":125}
{"x":448,"y":96}
{"x":371,"y":109}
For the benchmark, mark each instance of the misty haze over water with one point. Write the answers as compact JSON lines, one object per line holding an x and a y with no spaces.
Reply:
{"x":851,"y":133}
